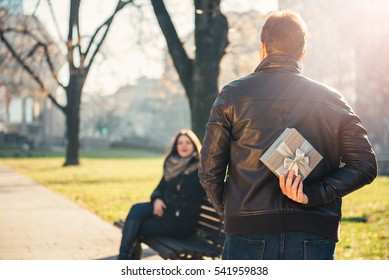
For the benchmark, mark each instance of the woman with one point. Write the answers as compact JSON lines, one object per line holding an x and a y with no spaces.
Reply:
{"x":175,"y":203}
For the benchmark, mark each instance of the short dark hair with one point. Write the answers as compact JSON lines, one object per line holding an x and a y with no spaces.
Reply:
{"x":284,"y":32}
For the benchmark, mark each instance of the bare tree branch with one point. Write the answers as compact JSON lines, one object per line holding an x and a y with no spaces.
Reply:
{"x":182,"y":62}
{"x":78,"y":45}
{"x":22,"y":31}
{"x":55,"y":102}
{"x":26,"y":68}
{"x":107,"y":24}
{"x":21,"y":62}
{"x":74,"y":11}
{"x":34,"y":50}
{"x":36,"y":7}
{"x":51,"y":67}
{"x":55,"y":21}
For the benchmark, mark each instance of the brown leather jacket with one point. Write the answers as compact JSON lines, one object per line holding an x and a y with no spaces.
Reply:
{"x":247,"y":117}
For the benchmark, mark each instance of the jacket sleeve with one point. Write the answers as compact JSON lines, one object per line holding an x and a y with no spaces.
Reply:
{"x":359,"y":169}
{"x":159,"y":190}
{"x":215,"y":154}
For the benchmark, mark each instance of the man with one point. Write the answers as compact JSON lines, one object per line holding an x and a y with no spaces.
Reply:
{"x":266,"y":217}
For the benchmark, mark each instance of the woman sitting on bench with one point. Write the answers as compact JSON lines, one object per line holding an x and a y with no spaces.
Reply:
{"x":175,"y":203}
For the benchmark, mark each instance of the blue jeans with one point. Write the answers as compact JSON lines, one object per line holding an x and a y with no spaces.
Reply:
{"x":151,"y":225}
{"x":140,"y":222}
{"x":278,"y":246}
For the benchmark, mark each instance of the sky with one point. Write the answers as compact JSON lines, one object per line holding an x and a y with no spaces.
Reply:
{"x":135,"y":45}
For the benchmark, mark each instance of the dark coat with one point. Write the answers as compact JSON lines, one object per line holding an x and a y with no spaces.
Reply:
{"x":247,"y":117}
{"x":182,"y":203}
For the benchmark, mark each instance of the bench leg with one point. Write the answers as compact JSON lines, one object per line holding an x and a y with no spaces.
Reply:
{"x":129,"y":239}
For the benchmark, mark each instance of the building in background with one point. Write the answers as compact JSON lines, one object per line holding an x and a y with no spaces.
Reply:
{"x":95,"y":114}
{"x":26,"y":115}
{"x":147,"y":114}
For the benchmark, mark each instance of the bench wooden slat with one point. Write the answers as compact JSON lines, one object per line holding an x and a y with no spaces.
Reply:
{"x":211,"y":224}
{"x":208,"y":225}
{"x":210,"y":218}
{"x":206,"y":208}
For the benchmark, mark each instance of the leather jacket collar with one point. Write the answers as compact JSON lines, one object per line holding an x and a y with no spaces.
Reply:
{"x":279,"y":62}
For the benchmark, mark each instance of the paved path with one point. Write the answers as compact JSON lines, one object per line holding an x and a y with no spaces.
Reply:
{"x":39,"y":224}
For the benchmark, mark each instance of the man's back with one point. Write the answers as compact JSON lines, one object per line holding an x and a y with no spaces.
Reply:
{"x":269,"y":100}
{"x":256,"y":110}
{"x":247,"y":117}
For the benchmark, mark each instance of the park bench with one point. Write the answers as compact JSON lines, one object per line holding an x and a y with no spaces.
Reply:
{"x":206,"y":243}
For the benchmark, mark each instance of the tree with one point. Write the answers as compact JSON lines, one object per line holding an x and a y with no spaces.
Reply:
{"x":80,"y":58}
{"x":199,"y":76}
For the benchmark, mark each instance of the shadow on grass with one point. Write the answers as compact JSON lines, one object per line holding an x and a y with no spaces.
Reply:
{"x":373,"y":217}
{"x":362,"y":219}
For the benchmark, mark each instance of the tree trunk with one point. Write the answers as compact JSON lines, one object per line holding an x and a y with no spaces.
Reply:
{"x":211,"y":29}
{"x":72,"y":112}
{"x":199,"y":77}
{"x":202,"y":95}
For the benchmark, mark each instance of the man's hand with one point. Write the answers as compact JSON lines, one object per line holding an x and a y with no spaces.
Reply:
{"x":292,"y":187}
{"x":159,"y":207}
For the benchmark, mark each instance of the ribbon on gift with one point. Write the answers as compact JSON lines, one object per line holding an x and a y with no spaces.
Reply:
{"x":297,"y":161}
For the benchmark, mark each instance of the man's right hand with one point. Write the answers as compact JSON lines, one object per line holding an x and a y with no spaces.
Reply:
{"x":292,"y":187}
{"x":159,"y":207}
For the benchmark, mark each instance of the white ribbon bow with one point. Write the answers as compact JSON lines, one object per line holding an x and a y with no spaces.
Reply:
{"x":298,"y":161}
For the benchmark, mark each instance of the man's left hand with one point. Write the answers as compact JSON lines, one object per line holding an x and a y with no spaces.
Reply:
{"x":292,"y":187}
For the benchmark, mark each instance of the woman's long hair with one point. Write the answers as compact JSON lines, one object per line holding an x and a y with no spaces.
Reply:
{"x":193,"y":138}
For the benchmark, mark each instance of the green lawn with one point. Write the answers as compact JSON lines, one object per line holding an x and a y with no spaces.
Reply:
{"x":365,"y":223}
{"x":105,"y":186}
{"x":108,"y":183}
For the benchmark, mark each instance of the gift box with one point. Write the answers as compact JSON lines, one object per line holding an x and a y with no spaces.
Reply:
{"x":291,"y":151}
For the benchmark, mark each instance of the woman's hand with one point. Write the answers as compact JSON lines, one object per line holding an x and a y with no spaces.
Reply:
{"x":292,"y":187}
{"x":159,"y":207}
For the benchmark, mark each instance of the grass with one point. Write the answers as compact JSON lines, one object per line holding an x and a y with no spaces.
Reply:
{"x":106,"y":187}
{"x":109,"y":182}
{"x":365,"y":223}
{"x":15,"y":151}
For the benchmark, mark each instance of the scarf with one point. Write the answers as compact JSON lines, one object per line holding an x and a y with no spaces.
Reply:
{"x":176,"y":165}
